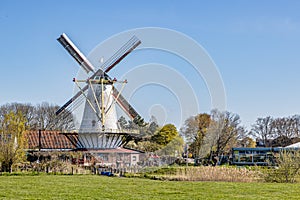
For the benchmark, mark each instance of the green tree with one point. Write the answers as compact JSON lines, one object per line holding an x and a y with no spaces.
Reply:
{"x":122,"y":122}
{"x":12,"y":140}
{"x":173,"y":148}
{"x":147,"y":146}
{"x":142,"y":141}
{"x":165,"y":135}
{"x":139,"y":121}
{"x":153,"y":126}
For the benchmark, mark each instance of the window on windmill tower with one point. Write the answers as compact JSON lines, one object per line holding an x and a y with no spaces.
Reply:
{"x":93,"y":123}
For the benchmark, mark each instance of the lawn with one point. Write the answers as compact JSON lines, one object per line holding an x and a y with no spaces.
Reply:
{"x":101,"y":187}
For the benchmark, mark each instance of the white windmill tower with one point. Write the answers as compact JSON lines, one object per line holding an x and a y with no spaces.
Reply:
{"x":98,"y":128}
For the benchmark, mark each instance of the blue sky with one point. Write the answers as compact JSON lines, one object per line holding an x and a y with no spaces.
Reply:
{"x":254,"y":44}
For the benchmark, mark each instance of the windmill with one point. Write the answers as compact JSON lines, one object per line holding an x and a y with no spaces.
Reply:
{"x":99,"y":128}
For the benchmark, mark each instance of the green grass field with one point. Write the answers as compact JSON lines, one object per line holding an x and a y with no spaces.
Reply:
{"x":100,"y":187}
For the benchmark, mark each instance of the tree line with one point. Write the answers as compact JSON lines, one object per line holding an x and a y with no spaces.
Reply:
{"x":41,"y":116}
{"x":272,"y":132}
{"x":15,"y":119}
{"x":218,"y":132}
{"x":215,"y":132}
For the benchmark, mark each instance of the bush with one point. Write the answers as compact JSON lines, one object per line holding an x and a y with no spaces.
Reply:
{"x":287,"y":169}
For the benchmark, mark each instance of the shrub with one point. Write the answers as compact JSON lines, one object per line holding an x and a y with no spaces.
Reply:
{"x":287,"y":169}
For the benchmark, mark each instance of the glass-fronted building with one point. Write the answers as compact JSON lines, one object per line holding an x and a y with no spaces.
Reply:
{"x":254,"y":156}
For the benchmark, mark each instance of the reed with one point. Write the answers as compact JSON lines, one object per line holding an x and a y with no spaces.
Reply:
{"x":209,"y":173}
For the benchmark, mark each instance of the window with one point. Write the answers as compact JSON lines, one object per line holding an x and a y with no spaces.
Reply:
{"x":103,"y":157}
{"x":133,"y":158}
{"x":5,"y":137}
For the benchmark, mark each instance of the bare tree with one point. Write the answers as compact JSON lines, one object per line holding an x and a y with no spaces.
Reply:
{"x":224,"y":131}
{"x":285,"y":129}
{"x":296,"y":126}
{"x":263,"y":129}
{"x":45,"y":118}
{"x":41,"y":116}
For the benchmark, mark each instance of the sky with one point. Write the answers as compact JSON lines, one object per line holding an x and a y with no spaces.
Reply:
{"x":255,"y":46}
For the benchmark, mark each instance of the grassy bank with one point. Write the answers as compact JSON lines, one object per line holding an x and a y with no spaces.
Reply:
{"x":100,"y":187}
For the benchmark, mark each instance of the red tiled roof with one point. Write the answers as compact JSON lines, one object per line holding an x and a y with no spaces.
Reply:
{"x":117,"y":150}
{"x":49,"y":140}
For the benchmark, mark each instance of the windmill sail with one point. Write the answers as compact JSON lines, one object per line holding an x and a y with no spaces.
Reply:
{"x":75,"y":53}
{"x":121,"y":53}
{"x":98,"y":127}
{"x":108,"y":65}
{"x":123,"y":103}
{"x":78,"y":94}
